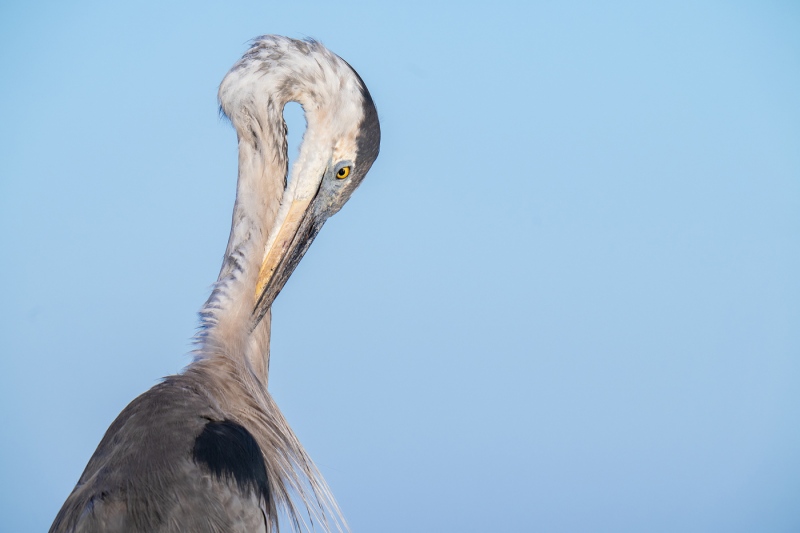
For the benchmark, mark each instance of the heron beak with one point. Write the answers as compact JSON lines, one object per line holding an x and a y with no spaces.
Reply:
{"x":298,"y":229}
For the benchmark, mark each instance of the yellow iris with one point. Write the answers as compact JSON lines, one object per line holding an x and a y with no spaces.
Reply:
{"x":343,"y":173}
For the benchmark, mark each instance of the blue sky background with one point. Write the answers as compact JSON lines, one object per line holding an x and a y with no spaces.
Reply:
{"x":566,"y":298}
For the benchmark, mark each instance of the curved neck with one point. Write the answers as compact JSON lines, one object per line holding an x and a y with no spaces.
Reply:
{"x":253,"y":94}
{"x":226,"y":317}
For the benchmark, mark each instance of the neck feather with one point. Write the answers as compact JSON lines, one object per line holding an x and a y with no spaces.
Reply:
{"x":226,"y":317}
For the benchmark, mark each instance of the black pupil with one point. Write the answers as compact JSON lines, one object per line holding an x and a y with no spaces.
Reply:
{"x":342,"y":171}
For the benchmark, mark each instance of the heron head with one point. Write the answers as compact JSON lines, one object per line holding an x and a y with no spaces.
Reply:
{"x":341,"y":141}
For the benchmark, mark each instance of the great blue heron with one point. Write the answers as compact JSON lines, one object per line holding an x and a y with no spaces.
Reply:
{"x":208,"y":449}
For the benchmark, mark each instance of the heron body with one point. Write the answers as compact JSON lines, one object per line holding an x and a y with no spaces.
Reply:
{"x":208,"y":450}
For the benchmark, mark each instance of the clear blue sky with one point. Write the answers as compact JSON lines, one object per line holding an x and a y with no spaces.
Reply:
{"x":566,"y":298}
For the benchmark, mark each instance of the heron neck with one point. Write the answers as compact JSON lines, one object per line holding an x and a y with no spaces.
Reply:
{"x":226,"y":318}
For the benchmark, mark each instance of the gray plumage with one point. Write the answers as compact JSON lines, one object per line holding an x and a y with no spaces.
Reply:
{"x":208,"y":450}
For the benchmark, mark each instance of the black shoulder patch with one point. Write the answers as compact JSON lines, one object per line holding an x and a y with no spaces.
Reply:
{"x":231,"y":452}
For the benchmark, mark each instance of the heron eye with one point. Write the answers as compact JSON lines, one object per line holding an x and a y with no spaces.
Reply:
{"x":343,"y":173}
